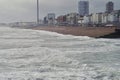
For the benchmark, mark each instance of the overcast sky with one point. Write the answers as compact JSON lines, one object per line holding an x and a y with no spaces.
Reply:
{"x":25,"y":10}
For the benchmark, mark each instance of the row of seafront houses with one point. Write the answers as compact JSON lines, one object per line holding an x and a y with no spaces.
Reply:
{"x":103,"y":19}
{"x":74,"y":19}
{"x":95,"y":19}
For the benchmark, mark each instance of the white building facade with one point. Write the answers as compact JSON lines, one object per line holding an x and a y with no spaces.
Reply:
{"x":51,"y":18}
{"x":72,"y":18}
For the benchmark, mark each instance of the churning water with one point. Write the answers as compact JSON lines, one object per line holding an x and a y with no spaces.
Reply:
{"x":41,"y":55}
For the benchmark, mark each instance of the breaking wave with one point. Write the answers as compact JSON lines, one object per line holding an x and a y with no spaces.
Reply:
{"x":41,"y":55}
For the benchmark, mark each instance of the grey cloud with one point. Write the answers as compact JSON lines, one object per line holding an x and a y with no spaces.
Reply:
{"x":25,"y":10}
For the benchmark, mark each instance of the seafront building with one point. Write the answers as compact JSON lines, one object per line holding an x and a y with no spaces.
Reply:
{"x":109,"y":7}
{"x":72,"y":18}
{"x":68,"y":19}
{"x":109,"y":17}
{"x":49,"y":19}
{"x":94,"y":19}
{"x":114,"y":17}
{"x":83,"y":18}
{"x":83,"y":8}
{"x":45,"y":20}
{"x":61,"y":20}
{"x":102,"y":19}
{"x":87,"y":20}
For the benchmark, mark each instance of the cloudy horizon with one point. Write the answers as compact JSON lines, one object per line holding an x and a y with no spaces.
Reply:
{"x":23,"y":10}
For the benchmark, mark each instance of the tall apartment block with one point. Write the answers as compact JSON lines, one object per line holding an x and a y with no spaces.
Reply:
{"x":83,"y":8}
{"x":109,"y":7}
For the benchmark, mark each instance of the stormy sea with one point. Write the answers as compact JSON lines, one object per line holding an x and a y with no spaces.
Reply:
{"x":40,"y":55}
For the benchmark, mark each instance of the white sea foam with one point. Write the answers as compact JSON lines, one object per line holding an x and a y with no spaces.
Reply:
{"x":41,"y":55}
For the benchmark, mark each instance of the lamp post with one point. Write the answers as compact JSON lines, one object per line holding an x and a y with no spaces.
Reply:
{"x":37,"y":12}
